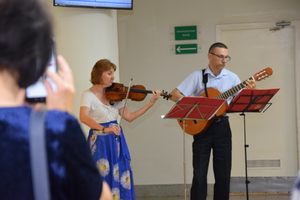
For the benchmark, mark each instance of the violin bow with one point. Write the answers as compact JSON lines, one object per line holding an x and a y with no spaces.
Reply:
{"x":129,"y":86}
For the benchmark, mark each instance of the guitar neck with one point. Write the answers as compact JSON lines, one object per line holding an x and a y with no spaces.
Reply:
{"x":232,"y":91}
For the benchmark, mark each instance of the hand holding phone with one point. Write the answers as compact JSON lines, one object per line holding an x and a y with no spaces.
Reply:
{"x":63,"y":98}
{"x":37,"y":92}
{"x":55,"y":87}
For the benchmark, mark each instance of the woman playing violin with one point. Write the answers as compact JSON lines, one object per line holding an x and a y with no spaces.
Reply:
{"x":106,"y":137}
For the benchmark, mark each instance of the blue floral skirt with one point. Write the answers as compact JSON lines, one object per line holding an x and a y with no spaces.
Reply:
{"x":112,"y":158}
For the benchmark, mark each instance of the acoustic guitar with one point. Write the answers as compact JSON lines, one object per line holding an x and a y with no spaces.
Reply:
{"x":194,"y":127}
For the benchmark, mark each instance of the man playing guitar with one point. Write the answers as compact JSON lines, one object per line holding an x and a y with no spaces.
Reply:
{"x":218,"y":135}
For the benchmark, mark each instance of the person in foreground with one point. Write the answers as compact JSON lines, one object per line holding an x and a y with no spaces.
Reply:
{"x":25,"y":49}
{"x":218,"y":134}
{"x":295,"y":193}
{"x":106,"y":137}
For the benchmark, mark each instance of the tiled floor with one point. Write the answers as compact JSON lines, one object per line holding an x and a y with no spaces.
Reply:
{"x":232,"y":197}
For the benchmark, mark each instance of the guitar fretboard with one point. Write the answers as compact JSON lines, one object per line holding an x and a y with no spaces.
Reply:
{"x":232,"y":91}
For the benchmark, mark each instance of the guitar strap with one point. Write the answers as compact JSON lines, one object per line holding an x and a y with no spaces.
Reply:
{"x":204,"y":79}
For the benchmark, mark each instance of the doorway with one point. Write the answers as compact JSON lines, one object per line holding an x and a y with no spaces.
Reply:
{"x":272,"y":136}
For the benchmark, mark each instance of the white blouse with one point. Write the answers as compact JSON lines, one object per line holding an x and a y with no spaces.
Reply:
{"x":100,"y":112}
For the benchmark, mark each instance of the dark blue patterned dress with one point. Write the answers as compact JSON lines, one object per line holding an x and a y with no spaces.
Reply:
{"x":72,"y":172}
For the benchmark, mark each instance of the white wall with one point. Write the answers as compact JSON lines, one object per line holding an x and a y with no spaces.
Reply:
{"x":147,"y":55}
{"x":84,"y":36}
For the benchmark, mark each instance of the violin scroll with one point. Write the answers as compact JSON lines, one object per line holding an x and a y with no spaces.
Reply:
{"x":165,"y":95}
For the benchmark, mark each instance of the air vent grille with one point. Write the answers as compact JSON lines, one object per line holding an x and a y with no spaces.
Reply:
{"x":269,"y":163}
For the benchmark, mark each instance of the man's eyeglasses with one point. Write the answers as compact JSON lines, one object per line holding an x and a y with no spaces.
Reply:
{"x":227,"y":58}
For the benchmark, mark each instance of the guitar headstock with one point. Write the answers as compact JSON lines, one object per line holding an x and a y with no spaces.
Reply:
{"x":263,"y":74}
{"x":165,"y":95}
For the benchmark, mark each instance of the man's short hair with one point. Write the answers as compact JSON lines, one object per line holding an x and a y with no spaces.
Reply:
{"x":215,"y":45}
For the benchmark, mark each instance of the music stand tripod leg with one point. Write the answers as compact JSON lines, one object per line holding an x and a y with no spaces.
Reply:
{"x":184,"y":163}
{"x":245,"y":149}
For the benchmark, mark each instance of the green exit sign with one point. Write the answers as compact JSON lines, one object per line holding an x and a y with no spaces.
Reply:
{"x":185,"y":32}
{"x":186,"y":48}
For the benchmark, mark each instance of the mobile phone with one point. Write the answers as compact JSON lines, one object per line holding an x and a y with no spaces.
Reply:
{"x":37,"y":92}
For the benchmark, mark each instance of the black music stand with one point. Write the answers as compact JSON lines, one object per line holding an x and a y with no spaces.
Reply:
{"x":193,"y":108}
{"x":250,"y":100}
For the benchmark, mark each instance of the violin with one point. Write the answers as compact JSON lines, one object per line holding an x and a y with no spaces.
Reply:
{"x":118,"y":92}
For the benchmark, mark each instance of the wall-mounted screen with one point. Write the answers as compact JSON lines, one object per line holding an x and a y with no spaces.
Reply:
{"x":108,"y":4}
